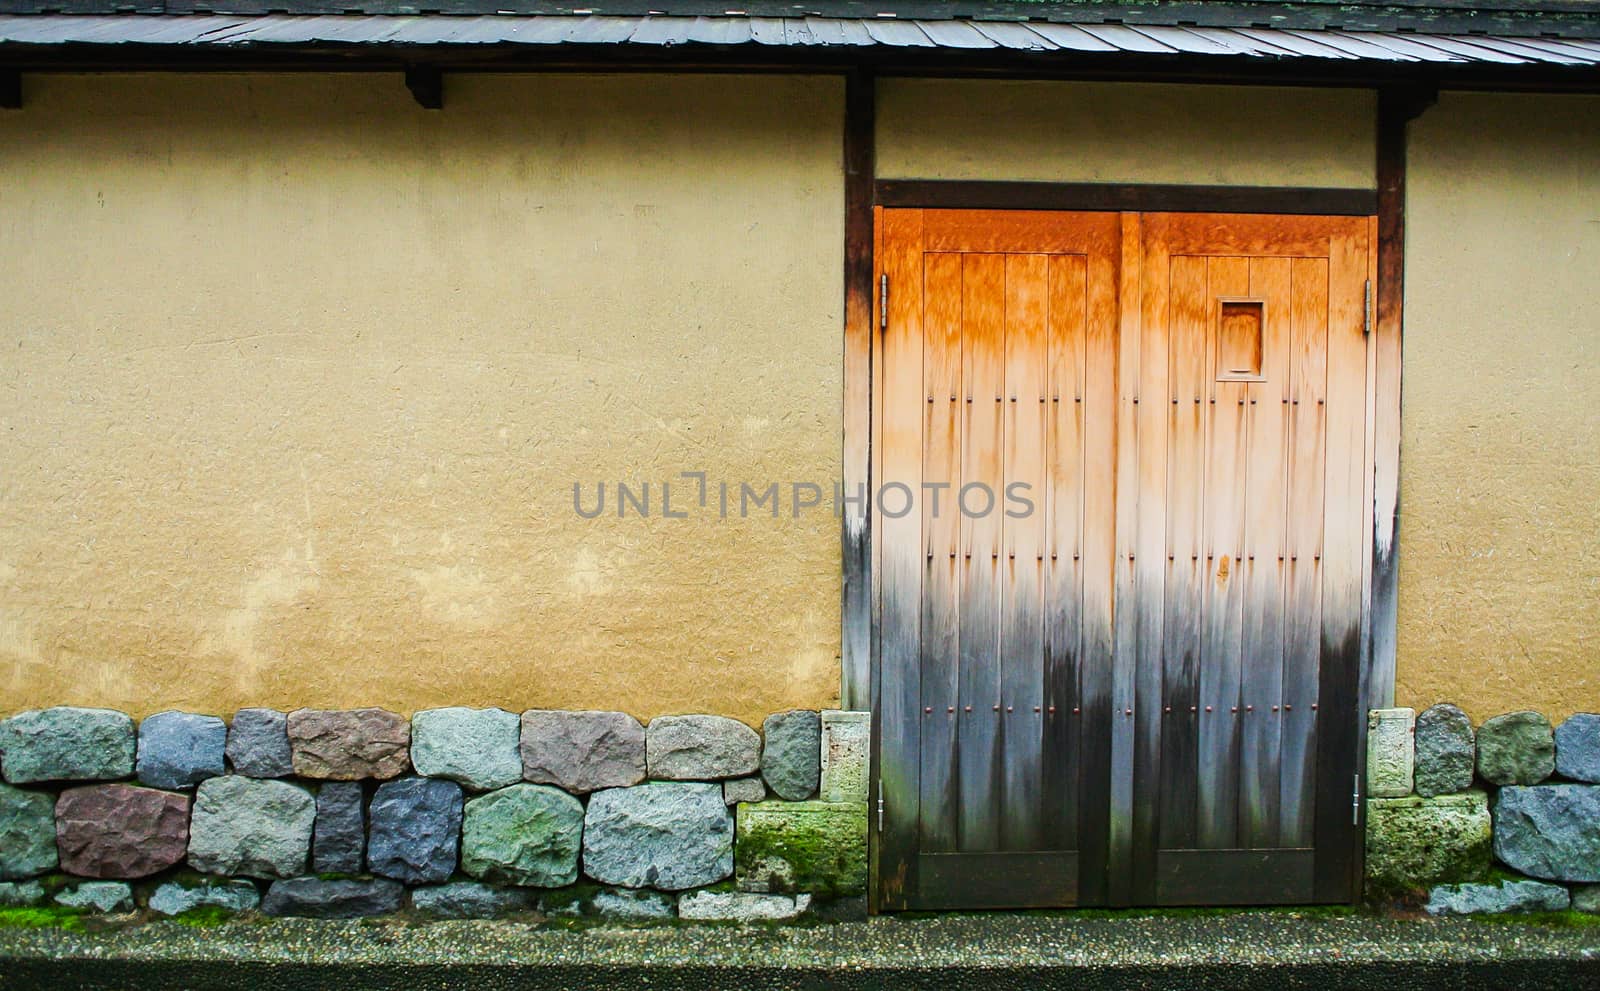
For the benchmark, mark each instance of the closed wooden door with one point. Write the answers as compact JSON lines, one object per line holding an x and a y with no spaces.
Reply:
{"x":1118,"y":464}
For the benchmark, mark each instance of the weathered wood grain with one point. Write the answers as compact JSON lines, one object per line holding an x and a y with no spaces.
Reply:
{"x":941,"y":349}
{"x":855,"y":646}
{"x":1027,"y":301}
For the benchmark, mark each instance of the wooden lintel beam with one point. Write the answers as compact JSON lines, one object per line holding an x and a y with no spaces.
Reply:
{"x":426,"y":83}
{"x":10,"y":89}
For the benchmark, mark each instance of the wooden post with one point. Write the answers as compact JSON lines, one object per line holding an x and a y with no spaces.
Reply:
{"x":426,"y":84}
{"x":10,"y":89}
{"x":1396,"y":109}
{"x":856,"y":608}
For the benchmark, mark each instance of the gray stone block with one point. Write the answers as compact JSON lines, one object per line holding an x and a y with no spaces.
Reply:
{"x":1446,"y":751}
{"x":1415,"y":843}
{"x":180,"y":749}
{"x":471,"y":900}
{"x":1512,"y":896}
{"x":414,"y":828}
{"x":477,"y":748}
{"x":1586,"y":898}
{"x":791,"y":753}
{"x":627,"y":904}
{"x":1578,"y":747}
{"x":659,"y":835}
{"x":700,"y":748}
{"x":339,"y":838}
{"x":349,"y":744}
{"x":1518,"y":748}
{"x":582,"y":751}
{"x":250,"y":826}
{"x":1390,"y":752}
{"x":1549,"y":831}
{"x":741,"y":906}
{"x":736,"y":790}
{"x":525,"y":834}
{"x":101,"y":896}
{"x":21,"y":894}
{"x":67,"y":743}
{"x":846,"y":752}
{"x":27,"y":833}
{"x":174,"y":898}
{"x":258,"y":744}
{"x":318,"y":899}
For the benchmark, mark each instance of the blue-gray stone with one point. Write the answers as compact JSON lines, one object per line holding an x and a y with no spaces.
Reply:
{"x":235,"y":895}
{"x":67,"y":743}
{"x":415,"y":830}
{"x":315,"y":898}
{"x":339,"y":840}
{"x":252,"y":827}
{"x":102,"y":896}
{"x":1549,"y":831}
{"x":21,"y":894}
{"x":700,"y":748}
{"x":1578,"y":747}
{"x":1491,"y":899}
{"x":659,"y":834}
{"x":1446,"y":751}
{"x":27,"y":833}
{"x":258,"y":744}
{"x":180,"y":749}
{"x":791,"y":753}
{"x":471,"y":900}
{"x":476,"y":748}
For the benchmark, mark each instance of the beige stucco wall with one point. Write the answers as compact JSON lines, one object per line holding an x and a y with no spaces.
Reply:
{"x":1500,"y":472}
{"x":1124,"y":132}
{"x":298,"y":376}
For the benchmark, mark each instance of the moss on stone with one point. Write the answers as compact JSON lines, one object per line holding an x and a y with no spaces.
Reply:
{"x":1415,"y":843}
{"x":43,"y":917}
{"x":203,"y":917}
{"x":814,"y":847}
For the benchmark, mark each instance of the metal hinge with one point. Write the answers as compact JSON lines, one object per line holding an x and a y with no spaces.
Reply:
{"x":880,"y":805}
{"x":1366,"y":327}
{"x":883,"y":301}
{"x":1355,"y":801}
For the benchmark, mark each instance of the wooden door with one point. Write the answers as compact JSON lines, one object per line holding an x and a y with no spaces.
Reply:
{"x":1117,"y":556}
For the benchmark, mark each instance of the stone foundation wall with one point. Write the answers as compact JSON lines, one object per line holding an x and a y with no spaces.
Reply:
{"x":454,"y":812}
{"x":1501,"y":817}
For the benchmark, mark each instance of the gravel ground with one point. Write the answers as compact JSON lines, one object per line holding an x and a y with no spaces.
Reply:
{"x":1274,"y":950}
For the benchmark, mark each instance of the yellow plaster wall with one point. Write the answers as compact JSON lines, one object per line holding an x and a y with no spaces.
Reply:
{"x":1124,"y":132}
{"x":1500,"y":470}
{"x":297,"y":378}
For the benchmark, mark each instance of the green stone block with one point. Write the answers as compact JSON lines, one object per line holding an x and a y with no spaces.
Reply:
{"x":814,"y":847}
{"x":1415,"y":843}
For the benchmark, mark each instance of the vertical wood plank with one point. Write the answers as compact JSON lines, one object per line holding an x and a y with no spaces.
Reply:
{"x":1107,"y":280}
{"x":1188,"y":404}
{"x":1343,"y":566}
{"x":941,"y":477}
{"x":1303,"y":615}
{"x":1149,"y":565}
{"x":1263,"y":568}
{"x":856,"y":604}
{"x":1217,"y":808}
{"x":1064,"y":616}
{"x":899,"y":570}
{"x":1125,"y":648}
{"x":1027,"y":302}
{"x":983,"y":445}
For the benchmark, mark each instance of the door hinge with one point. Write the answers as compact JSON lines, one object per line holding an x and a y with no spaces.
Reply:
{"x":1355,"y":800}
{"x":883,"y":301}
{"x":880,"y":805}
{"x":1366,"y":326}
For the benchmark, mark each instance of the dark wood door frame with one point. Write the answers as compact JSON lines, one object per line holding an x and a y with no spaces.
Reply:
{"x":1375,"y":653}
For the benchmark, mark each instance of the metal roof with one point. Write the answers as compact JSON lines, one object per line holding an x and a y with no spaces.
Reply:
{"x":219,"y":31}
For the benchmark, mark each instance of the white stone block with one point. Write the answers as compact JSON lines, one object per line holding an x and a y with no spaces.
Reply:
{"x":846,"y":755}
{"x":1391,"y":754}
